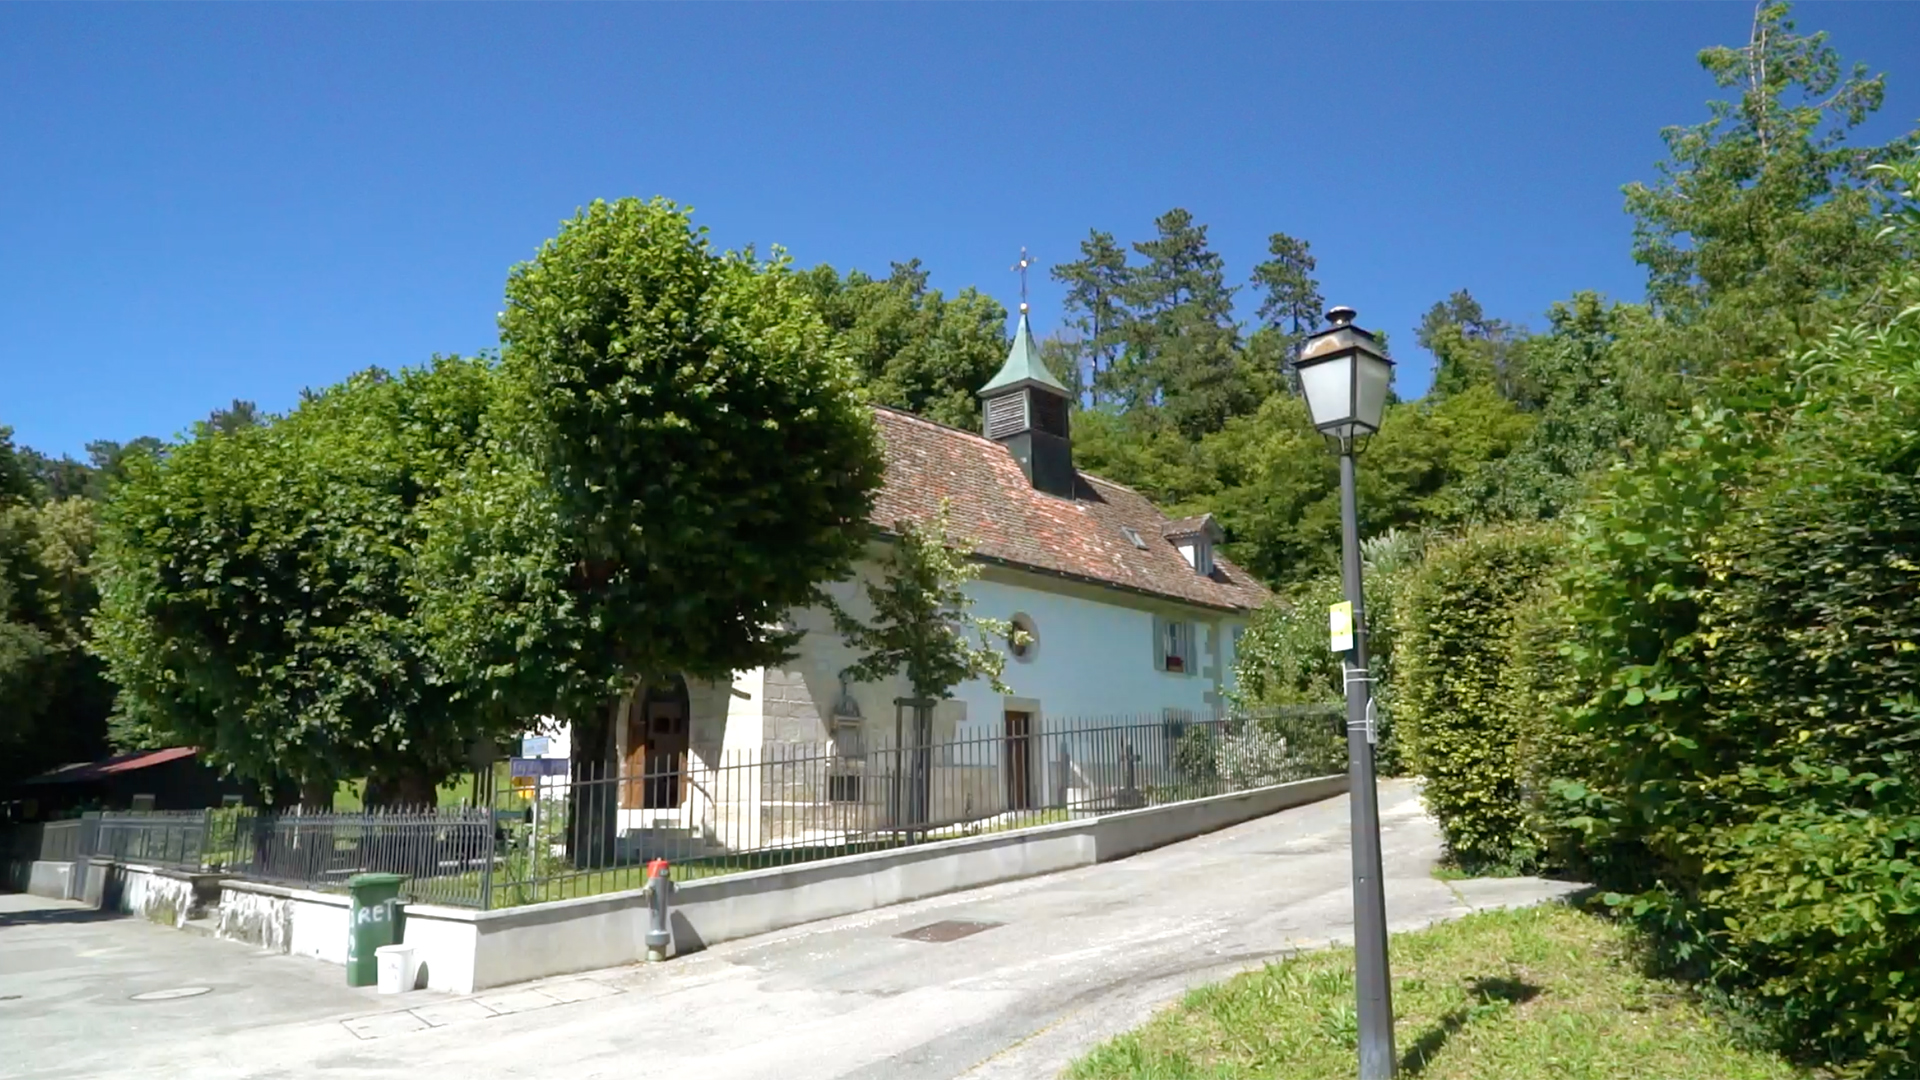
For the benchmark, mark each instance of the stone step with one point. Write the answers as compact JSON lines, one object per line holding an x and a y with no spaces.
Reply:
{"x":204,"y":926}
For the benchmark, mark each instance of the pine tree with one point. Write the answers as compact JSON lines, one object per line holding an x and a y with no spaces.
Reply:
{"x":1095,"y":309}
{"x":1183,"y":347}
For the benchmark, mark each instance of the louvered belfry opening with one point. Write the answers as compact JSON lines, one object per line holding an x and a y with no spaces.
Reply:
{"x":1006,"y":415}
{"x":1026,"y":412}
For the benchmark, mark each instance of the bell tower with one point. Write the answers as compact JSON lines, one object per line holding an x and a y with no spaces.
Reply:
{"x":1026,"y":412}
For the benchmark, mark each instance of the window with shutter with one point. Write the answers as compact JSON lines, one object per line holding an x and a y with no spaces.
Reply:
{"x":1177,"y":650}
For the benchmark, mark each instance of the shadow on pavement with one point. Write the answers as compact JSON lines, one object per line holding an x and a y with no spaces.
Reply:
{"x":49,"y":916}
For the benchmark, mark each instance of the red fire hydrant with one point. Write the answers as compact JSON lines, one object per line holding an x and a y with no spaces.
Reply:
{"x":659,"y":894}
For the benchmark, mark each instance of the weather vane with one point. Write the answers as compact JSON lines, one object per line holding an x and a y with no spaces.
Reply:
{"x":1025,"y":261}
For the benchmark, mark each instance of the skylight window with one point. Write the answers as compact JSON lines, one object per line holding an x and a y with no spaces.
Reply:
{"x":1134,"y":537}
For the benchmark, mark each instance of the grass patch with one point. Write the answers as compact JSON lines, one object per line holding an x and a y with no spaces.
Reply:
{"x":1548,"y":992}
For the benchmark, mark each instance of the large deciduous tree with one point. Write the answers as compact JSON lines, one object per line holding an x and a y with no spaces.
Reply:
{"x":257,"y":590}
{"x":680,"y":458}
{"x":1762,"y":228}
{"x":912,"y":347}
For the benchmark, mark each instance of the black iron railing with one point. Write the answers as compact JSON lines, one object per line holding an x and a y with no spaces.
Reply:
{"x":595,"y":828}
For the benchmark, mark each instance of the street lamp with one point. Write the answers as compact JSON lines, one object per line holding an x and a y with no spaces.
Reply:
{"x":1345,"y":377}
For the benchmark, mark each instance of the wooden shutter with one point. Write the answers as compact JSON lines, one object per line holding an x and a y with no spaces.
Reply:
{"x":1159,"y":643}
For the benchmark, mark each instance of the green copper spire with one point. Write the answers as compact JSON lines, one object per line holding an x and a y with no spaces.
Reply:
{"x":1023,"y":366}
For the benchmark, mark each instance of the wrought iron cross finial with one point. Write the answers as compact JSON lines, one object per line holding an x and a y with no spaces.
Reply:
{"x":1025,"y":261}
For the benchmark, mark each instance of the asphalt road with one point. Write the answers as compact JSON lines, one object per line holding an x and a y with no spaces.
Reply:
{"x":1009,"y":981}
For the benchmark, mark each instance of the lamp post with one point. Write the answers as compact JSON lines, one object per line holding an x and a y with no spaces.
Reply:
{"x":1345,"y":376}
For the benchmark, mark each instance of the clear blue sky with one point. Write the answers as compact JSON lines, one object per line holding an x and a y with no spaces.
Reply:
{"x":218,"y":201}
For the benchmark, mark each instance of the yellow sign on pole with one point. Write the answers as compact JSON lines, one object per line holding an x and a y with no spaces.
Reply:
{"x":1340,"y":625}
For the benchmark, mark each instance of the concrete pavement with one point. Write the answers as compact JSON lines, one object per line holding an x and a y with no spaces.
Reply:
{"x":1013,"y":980}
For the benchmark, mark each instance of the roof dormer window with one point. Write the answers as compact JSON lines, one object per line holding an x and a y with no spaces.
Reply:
{"x":1198,"y":551}
{"x":1195,"y":537}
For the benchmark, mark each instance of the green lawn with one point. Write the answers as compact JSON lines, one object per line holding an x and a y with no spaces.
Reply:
{"x":1549,"y":992}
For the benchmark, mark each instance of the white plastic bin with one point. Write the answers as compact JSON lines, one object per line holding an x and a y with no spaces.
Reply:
{"x":395,"y":965}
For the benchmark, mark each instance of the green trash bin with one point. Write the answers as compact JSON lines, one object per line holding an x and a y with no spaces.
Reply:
{"x":373,"y":920}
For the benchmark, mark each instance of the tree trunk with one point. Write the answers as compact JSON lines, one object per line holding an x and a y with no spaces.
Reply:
{"x":405,"y":789}
{"x":592,"y":806}
{"x":317,"y":794}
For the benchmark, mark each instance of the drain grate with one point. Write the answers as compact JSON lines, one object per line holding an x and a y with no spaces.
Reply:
{"x":947,"y":930}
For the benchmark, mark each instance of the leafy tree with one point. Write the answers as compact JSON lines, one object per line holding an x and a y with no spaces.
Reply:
{"x":28,"y":644}
{"x":1602,"y":390}
{"x":52,"y":701}
{"x":107,"y":462}
{"x":1276,"y":489}
{"x":680,"y":458}
{"x":1742,"y":607}
{"x":1762,"y":227}
{"x":914,"y":349}
{"x":257,"y":594}
{"x":922,"y":617}
{"x":1469,"y":349}
{"x":1096,"y":310}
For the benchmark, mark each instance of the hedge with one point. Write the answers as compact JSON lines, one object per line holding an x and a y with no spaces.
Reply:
{"x":1458,"y":728}
{"x":1747,"y":611}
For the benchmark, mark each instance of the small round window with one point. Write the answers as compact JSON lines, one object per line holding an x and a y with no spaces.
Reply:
{"x":1025,"y":642}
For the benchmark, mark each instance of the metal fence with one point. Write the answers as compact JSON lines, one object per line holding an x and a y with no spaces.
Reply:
{"x":554,"y":837}
{"x":729,"y":811}
{"x":441,"y":851}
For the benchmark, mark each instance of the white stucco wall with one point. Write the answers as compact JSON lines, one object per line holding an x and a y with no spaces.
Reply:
{"x":1093,"y":660}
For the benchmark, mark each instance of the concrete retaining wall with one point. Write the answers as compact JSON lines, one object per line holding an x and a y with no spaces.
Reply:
{"x":530,"y":942}
{"x":461,"y":951}
{"x":168,"y":897}
{"x":50,"y":879}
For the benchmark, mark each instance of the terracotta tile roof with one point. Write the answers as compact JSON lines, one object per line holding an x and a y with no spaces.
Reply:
{"x":81,"y":772}
{"x":1189,"y":526}
{"x":1007,"y":521}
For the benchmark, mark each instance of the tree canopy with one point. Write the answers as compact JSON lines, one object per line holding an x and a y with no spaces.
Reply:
{"x":677,"y":458}
{"x":257,"y":589}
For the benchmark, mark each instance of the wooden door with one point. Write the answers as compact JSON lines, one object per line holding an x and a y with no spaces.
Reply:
{"x":633,"y":766}
{"x":666,"y":756}
{"x":1019,"y":760}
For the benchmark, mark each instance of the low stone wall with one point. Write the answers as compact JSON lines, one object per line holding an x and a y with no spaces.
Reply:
{"x":517,"y":944}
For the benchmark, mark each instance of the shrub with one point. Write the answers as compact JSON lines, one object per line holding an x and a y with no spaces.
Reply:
{"x":1455,"y":633}
{"x":1747,"y":608}
{"x":1284,"y":660}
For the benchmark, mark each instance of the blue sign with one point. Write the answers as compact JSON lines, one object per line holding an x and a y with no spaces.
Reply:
{"x":552,"y":766}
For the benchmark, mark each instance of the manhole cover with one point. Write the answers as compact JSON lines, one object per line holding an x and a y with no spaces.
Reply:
{"x":947,"y":930}
{"x":176,"y":992}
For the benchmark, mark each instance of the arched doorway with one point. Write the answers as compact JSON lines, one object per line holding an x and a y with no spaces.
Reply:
{"x":656,"y":747}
